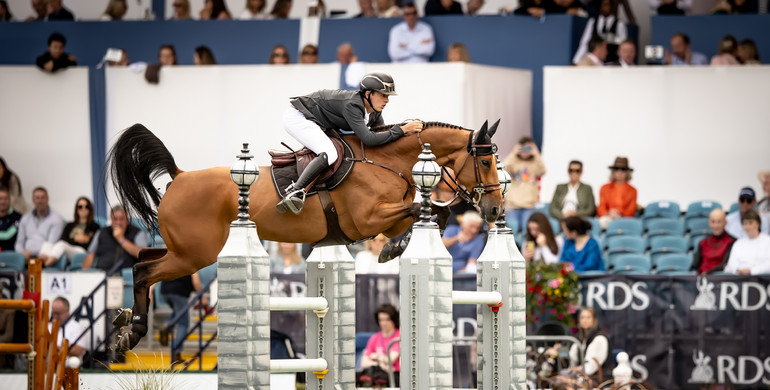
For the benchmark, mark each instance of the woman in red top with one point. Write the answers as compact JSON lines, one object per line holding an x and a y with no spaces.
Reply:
{"x":617,"y":199}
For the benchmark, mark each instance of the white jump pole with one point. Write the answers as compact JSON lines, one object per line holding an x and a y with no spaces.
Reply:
{"x":298,"y":303}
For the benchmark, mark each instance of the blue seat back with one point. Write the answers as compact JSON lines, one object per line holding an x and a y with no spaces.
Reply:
{"x":665,"y":227}
{"x":58,"y":266}
{"x":625,"y":244}
{"x":734,"y":207}
{"x":672,"y":262}
{"x":76,"y":262}
{"x":10,"y":260}
{"x":661,"y":245}
{"x":207,"y":273}
{"x":632,"y":263}
{"x":697,"y":225}
{"x":555,"y":225}
{"x":128,"y":286}
{"x":663,"y":208}
{"x":624,"y":226}
{"x":512,"y":223}
{"x":701,"y":209}
{"x":361,"y":339}
{"x":694,"y":240}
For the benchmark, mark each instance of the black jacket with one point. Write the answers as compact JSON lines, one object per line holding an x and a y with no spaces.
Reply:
{"x":59,"y":63}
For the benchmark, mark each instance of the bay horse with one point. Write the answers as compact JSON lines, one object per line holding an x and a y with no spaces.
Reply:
{"x":195,"y":212}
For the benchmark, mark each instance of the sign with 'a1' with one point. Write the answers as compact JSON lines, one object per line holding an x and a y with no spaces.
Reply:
{"x":58,"y":283}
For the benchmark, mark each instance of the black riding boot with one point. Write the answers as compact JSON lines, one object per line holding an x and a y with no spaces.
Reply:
{"x":295,"y":194}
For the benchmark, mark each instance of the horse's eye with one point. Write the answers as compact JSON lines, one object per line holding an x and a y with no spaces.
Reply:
{"x":485,"y":163}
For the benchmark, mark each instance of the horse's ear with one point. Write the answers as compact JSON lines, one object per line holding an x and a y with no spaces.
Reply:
{"x":482,"y":132}
{"x":493,"y":129}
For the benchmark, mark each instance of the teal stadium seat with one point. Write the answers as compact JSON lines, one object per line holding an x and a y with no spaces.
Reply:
{"x":12,"y":261}
{"x":624,"y":227}
{"x":76,"y":262}
{"x":619,"y":245}
{"x":699,"y":210}
{"x":632,"y":263}
{"x":672,"y":262}
{"x":662,"y":245}
{"x":665,"y":227}
{"x":658,"y":210}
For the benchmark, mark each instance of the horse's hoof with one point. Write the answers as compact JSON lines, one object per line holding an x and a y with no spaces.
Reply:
{"x":385,"y":253}
{"x":124,"y":343}
{"x":123,"y":318}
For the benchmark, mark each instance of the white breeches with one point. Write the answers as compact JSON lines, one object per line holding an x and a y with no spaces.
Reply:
{"x":308,"y":133}
{"x":61,"y":247}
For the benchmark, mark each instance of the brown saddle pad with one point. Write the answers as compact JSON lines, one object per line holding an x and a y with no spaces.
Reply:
{"x":287,"y":166}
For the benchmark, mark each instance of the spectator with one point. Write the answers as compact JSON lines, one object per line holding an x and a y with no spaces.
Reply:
{"x":594,"y":344}
{"x":712,"y":252}
{"x":76,"y":236}
{"x":387,"y":9}
{"x":167,"y":55}
{"x":746,"y":201}
{"x":5,"y":12}
{"x":281,"y":9}
{"x":10,"y":182}
{"x":366,"y":260}
{"x":465,"y":242}
{"x":526,"y":167}
{"x":473,"y":7}
{"x":9,"y":222}
{"x":177,"y":293}
{"x":60,"y":310}
{"x":287,"y":260}
{"x":605,"y":26}
{"x":116,"y":10}
{"x":181,"y":10}
{"x":458,"y":53}
{"x":279,"y":55}
{"x":309,"y":54}
{"x":443,"y":7}
{"x":571,"y":7}
{"x":55,"y":58}
{"x":763,"y":207}
{"x":541,"y":243}
{"x":352,"y":70}
{"x":535,"y":8}
{"x":727,"y":7}
{"x":726,"y":55}
{"x":119,"y":242}
{"x":580,"y":248}
{"x":123,"y":60}
{"x":411,"y":40}
{"x":374,"y":361}
{"x":56,"y":11}
{"x":39,"y":226}
{"x":626,"y":54}
{"x":574,"y":198}
{"x":214,"y":10}
{"x":617,"y":199}
{"x":203,"y":56}
{"x":747,"y":53}
{"x":597,"y":53}
{"x":367,"y":9}
{"x":41,"y":9}
{"x":255,"y":10}
{"x":682,"y":54}
{"x":671,"y":7}
{"x":594,"y":9}
{"x":316,"y":9}
{"x":750,"y":254}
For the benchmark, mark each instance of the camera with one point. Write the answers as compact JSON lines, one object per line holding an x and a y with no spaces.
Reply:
{"x":654,"y":54}
{"x":526,"y":148}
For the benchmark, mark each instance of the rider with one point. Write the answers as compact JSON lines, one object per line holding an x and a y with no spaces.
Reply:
{"x":359,"y":111}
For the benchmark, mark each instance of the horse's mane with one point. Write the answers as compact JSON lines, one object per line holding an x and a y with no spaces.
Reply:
{"x":425,"y":126}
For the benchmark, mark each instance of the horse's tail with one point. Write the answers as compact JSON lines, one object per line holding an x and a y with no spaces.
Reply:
{"x":136,"y":159}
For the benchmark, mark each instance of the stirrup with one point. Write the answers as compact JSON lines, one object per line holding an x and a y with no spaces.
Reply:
{"x":293,"y":201}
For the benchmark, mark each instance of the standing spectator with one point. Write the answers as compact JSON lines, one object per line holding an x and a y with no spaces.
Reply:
{"x":214,"y":10}
{"x":177,"y":293}
{"x":712,"y":252}
{"x":763,"y":207}
{"x":279,"y":55}
{"x":39,"y":226}
{"x":366,"y":260}
{"x":541,"y":243}
{"x":309,"y":54}
{"x":203,"y":56}
{"x":287,"y":259}
{"x":167,"y":55}
{"x":255,"y":10}
{"x":750,"y":254}
{"x":597,"y":53}
{"x":111,"y":244}
{"x":56,"y":11}
{"x":76,"y":236}
{"x":351,"y":69}
{"x":367,"y":9}
{"x":5,"y":12}
{"x":458,"y":53}
{"x":41,"y":9}
{"x":181,"y":10}
{"x":387,"y":9}
{"x":11,"y":183}
{"x":9,"y":222}
{"x":671,"y":7}
{"x":727,"y":7}
{"x":465,"y":242}
{"x":55,"y":58}
{"x":682,"y":54}
{"x":747,"y":53}
{"x":60,"y":310}
{"x":443,"y":7}
{"x":411,"y":40}
{"x":374,"y":360}
{"x":281,"y":9}
{"x":473,"y":7}
{"x":726,"y":55}
{"x":116,"y":10}
{"x":581,"y":249}
{"x":574,"y":198}
{"x":606,"y":26}
{"x":746,"y":201}
{"x":526,"y":167}
{"x":617,"y":199}
{"x":626,"y":54}
{"x":594,"y":344}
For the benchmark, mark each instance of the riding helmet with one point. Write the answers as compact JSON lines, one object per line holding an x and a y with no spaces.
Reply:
{"x":380,"y":82}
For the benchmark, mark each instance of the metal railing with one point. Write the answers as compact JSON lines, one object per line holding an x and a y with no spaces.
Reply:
{"x":198,"y":325}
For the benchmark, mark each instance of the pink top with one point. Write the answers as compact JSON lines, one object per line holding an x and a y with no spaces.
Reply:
{"x":379,"y":344}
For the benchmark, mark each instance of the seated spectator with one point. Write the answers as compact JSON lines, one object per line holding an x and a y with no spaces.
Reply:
{"x":595,"y":346}
{"x":374,"y":361}
{"x":571,"y":7}
{"x":56,"y":11}
{"x":10,"y":182}
{"x":366,"y":260}
{"x":626,"y":54}
{"x":606,"y":26}
{"x":387,"y":9}
{"x":465,"y":242}
{"x":41,"y":11}
{"x":5,"y":13}
{"x":55,"y":58}
{"x":167,"y":55}
{"x":39,"y":226}
{"x":118,"y":242}
{"x":281,"y":9}
{"x":214,"y":10}
{"x":472,"y":7}
{"x":181,"y":10}
{"x":727,"y":7}
{"x":9,"y":222}
{"x":617,"y":199}
{"x":116,"y":10}
{"x":746,"y":201}
{"x":535,"y":8}
{"x":671,"y":7}
{"x":580,"y":248}
{"x":316,"y":9}
{"x":574,"y":198}
{"x":443,"y":7}
{"x":750,"y":254}
{"x":726,"y":55}
{"x":279,"y":56}
{"x":712,"y":252}
{"x":287,"y":259}
{"x":203,"y":56}
{"x":526,"y":167}
{"x":123,"y":60}
{"x":60,"y":310}
{"x":763,"y":207}
{"x":747,"y":53}
{"x":597,"y":53}
{"x":458,"y":53}
{"x":308,"y":55}
{"x":76,"y":236}
{"x":367,"y":9}
{"x":411,"y":40}
{"x":255,"y":10}
{"x":682,"y":54}
{"x":352,"y":70}
{"x":541,"y":242}
{"x":177,"y":293}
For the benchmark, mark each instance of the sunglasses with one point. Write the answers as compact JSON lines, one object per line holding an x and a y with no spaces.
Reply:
{"x":745,"y":200}
{"x":280,"y":55}
{"x":620,"y":169}
{"x":310,"y":53}
{"x":82,"y":206}
{"x":575,"y":170}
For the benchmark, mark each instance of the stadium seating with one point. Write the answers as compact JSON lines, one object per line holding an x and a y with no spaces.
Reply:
{"x":662,"y":245}
{"x":58,"y":266}
{"x":734,"y":207}
{"x":632,"y":263}
{"x":658,"y":210}
{"x":362,"y":338}
{"x":700,"y":210}
{"x":13,"y":261}
{"x":76,"y":263}
{"x":665,"y":227}
{"x":672,"y":262}
{"x":619,"y":245}
{"x":624,"y":226}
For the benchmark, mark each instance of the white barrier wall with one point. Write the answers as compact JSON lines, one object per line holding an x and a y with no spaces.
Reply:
{"x":690,"y":133}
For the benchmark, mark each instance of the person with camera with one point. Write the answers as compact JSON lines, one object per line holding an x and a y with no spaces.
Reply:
{"x":525,"y":166}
